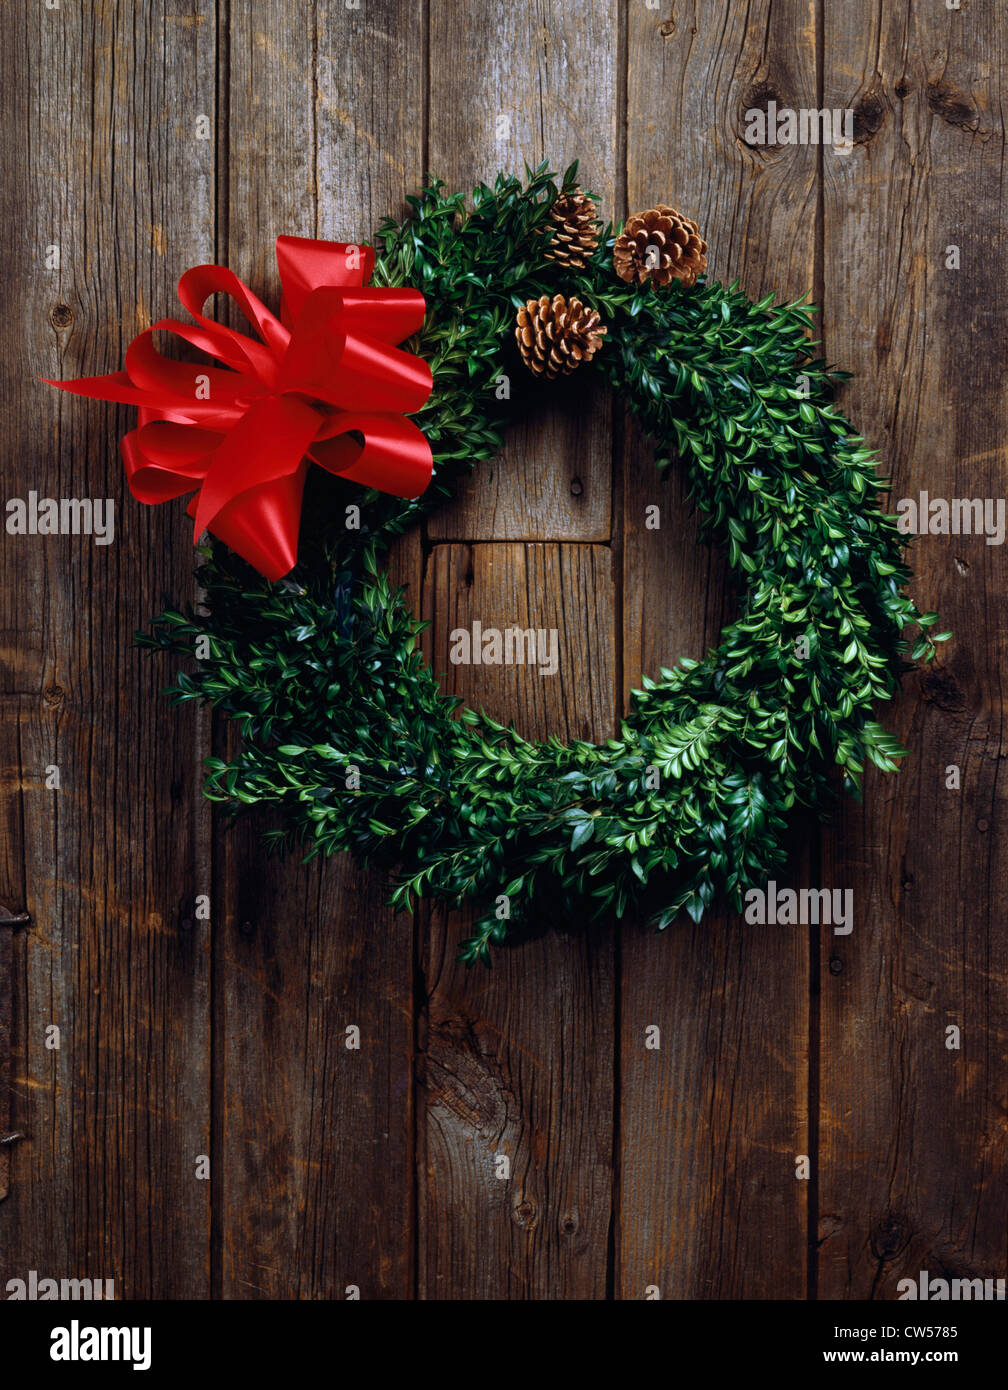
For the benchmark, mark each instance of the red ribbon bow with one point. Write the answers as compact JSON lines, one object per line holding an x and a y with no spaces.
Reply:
{"x":328,"y":373}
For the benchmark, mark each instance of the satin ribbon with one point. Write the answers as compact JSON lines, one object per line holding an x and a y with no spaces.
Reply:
{"x":326,"y":384}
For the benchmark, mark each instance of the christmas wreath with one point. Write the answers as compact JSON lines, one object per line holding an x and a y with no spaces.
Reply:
{"x":302,"y":641}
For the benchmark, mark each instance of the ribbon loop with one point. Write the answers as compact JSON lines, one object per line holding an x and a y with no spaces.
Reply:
{"x":335,"y":388}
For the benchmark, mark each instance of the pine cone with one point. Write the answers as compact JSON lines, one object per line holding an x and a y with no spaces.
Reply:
{"x":573,"y":220}
{"x":556,"y":336}
{"x":660,"y":245}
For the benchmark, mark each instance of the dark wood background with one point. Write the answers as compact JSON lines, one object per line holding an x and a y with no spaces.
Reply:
{"x":180,"y":1037}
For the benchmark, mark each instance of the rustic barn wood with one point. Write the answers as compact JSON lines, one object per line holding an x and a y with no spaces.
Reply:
{"x":521,"y":1067}
{"x":914,"y":1134}
{"x":203,"y":1128}
{"x":313,"y":1141}
{"x":11,"y":890}
{"x":731,"y":1001}
{"x":96,"y":148}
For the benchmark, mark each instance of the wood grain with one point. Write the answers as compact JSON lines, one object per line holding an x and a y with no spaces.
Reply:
{"x":914,"y":1138}
{"x":12,"y":894}
{"x":511,"y":85}
{"x":102,"y":162}
{"x":712,"y":1123}
{"x":506,"y":85}
{"x":313,"y":1141}
{"x":517,"y":1061}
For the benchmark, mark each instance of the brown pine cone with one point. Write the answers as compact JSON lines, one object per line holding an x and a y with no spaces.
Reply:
{"x":660,"y":245}
{"x":573,"y":220}
{"x":554,"y":336}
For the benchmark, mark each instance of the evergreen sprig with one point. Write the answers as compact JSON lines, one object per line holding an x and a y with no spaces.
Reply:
{"x":344,"y":730}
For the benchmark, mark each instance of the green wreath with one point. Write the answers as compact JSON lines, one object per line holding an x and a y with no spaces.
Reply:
{"x":322,"y":675}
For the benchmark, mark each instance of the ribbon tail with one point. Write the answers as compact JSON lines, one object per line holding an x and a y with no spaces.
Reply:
{"x":247,"y":497}
{"x":115,"y":386}
{"x":262,"y":524}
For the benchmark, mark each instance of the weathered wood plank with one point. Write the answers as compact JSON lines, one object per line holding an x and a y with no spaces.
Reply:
{"x":315,"y":1146}
{"x":518,"y":1061}
{"x":914,"y":1151}
{"x":711,"y":1124}
{"x":6,"y":1005}
{"x":12,"y":897}
{"x":515,"y":84}
{"x":511,"y":84}
{"x":107,"y":195}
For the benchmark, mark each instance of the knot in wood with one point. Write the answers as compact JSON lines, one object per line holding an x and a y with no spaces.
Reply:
{"x":952,"y":106}
{"x":869,"y":113}
{"x":526,"y":1214}
{"x":890,"y":1235}
{"x":941,"y":689}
